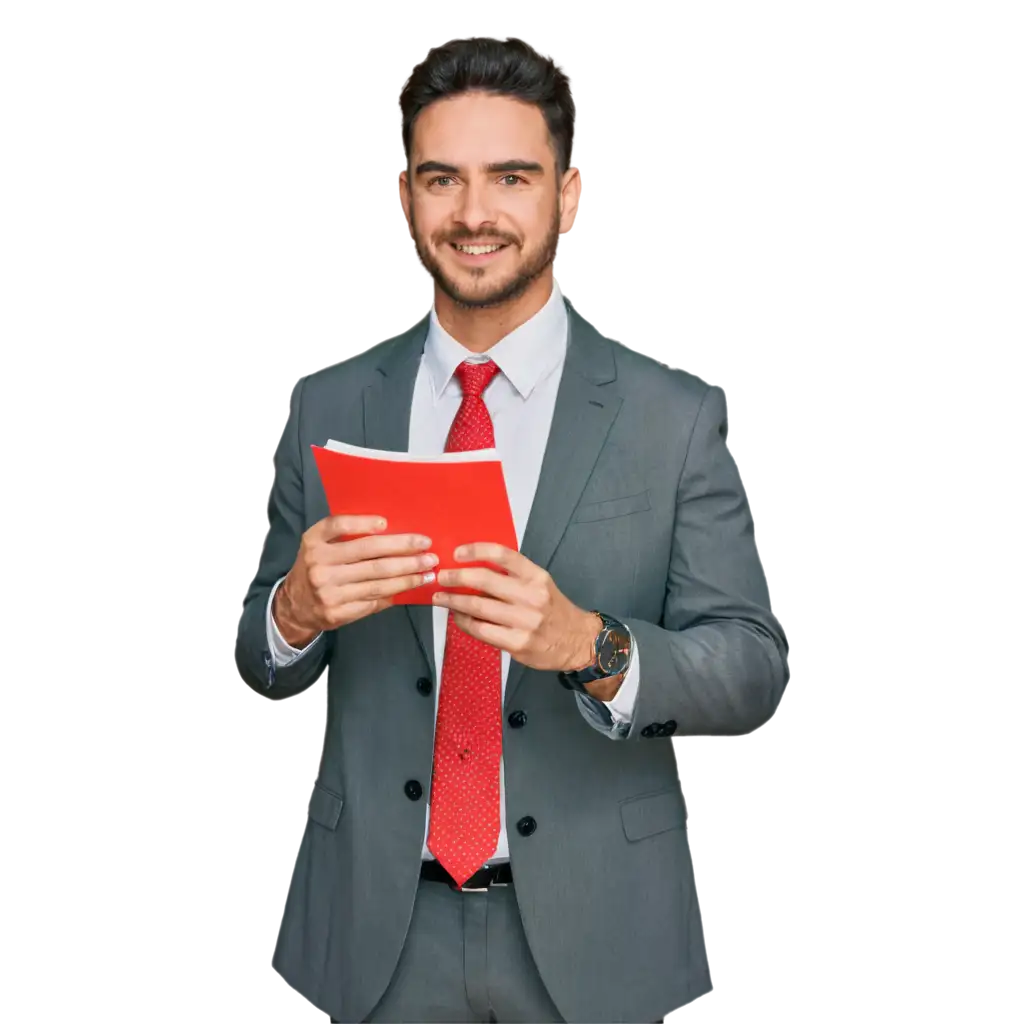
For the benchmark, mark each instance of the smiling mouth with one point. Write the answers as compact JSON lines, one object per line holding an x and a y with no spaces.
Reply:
{"x":478,"y":250}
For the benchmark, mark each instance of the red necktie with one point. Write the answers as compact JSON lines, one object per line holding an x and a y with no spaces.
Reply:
{"x":465,"y":814}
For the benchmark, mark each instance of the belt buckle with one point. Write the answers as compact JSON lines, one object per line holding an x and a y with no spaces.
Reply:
{"x":468,"y":888}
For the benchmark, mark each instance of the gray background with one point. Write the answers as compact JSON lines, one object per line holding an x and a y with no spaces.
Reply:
{"x":194,"y":207}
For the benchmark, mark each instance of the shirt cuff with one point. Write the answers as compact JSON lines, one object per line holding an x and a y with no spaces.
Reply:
{"x":280,"y":650}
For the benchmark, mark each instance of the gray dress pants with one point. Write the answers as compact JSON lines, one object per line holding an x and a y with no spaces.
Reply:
{"x":465,"y":959}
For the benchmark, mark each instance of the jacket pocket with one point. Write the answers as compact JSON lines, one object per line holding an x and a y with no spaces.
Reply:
{"x":624,"y":506}
{"x":651,"y":813}
{"x":325,"y":807}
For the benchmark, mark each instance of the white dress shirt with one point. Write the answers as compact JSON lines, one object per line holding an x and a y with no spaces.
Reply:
{"x":521,"y":403}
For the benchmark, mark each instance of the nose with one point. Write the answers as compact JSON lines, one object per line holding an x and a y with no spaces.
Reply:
{"x":475,"y":209}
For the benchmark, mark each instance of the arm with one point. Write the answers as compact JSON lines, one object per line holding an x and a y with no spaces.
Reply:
{"x":253,"y":649}
{"x":717,"y":664}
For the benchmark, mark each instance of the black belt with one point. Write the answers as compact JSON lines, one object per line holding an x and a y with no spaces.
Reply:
{"x":494,"y":874}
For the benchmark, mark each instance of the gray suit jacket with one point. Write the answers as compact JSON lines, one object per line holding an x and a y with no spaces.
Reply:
{"x":639,"y":512}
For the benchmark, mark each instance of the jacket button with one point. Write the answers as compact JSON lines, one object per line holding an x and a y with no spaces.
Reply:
{"x":526,"y":826}
{"x":413,"y":790}
{"x":424,"y":685}
{"x":669,"y":727}
{"x":517,"y":719}
{"x":648,"y":731}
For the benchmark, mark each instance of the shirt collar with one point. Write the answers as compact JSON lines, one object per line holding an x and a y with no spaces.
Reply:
{"x":525,"y":355}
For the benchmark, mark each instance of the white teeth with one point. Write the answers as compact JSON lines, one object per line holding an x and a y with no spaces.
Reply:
{"x":477,"y":250}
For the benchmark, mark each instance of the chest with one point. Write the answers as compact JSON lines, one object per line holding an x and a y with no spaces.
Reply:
{"x":521,"y":427}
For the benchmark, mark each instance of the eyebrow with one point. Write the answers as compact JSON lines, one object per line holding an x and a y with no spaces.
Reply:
{"x":505,"y":167}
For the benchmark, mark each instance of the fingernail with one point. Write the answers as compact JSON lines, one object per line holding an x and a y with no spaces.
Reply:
{"x":381,"y":523}
{"x":429,"y":560}
{"x":423,"y":542}
{"x":428,"y":577}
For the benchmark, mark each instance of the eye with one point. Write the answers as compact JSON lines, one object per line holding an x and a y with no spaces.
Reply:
{"x":505,"y":178}
{"x":439,"y":178}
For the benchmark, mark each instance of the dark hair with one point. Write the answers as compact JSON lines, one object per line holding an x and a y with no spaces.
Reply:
{"x":509,"y":68}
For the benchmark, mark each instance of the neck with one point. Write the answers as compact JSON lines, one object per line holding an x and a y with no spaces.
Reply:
{"x":481,"y":329}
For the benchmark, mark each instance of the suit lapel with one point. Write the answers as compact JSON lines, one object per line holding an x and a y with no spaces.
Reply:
{"x":585,"y":408}
{"x":387,"y":408}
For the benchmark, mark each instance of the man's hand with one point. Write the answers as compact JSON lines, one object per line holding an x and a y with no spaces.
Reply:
{"x":523,"y":613}
{"x":336,"y":581}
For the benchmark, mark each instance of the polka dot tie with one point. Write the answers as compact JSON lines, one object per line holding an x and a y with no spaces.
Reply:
{"x":465,"y":813}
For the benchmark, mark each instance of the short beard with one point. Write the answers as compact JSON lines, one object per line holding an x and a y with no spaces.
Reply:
{"x":520,"y":281}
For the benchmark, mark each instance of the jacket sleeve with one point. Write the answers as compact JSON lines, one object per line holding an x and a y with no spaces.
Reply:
{"x":717,"y":662}
{"x":253,"y":656}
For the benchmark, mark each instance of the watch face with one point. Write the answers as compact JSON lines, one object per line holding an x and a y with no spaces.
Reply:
{"x":611,"y":655}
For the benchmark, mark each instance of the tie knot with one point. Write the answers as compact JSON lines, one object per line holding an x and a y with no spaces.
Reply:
{"x":474,"y":377}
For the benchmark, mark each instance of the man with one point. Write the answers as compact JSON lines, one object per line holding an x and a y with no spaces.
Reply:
{"x":497,"y":830}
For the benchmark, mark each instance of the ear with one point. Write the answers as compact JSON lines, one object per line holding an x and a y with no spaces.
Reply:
{"x":399,"y":193}
{"x":568,"y":199}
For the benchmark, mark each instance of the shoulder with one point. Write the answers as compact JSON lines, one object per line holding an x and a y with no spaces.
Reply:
{"x":358,"y":371}
{"x":651,"y":376}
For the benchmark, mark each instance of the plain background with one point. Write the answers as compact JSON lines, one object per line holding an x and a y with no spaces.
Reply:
{"x":194,"y":207}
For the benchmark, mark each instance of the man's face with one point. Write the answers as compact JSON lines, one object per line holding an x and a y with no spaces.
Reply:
{"x":482,"y":173}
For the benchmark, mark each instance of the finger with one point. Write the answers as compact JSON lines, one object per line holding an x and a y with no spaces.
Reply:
{"x":507,"y":588}
{"x":356,"y":610}
{"x":506,"y":639}
{"x":489,"y":610}
{"x":484,"y":551}
{"x":333,"y":527}
{"x":384,"y":568}
{"x":371,"y":590}
{"x":366,"y":548}
{"x":329,"y":574}
{"x":341,"y":607}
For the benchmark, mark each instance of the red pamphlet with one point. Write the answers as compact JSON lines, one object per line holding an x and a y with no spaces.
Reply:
{"x":454,"y":498}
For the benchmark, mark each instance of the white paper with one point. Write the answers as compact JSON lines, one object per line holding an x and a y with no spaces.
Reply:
{"x":472,"y":455}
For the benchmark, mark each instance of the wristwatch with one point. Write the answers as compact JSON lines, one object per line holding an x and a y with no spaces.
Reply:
{"x":611,"y":655}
